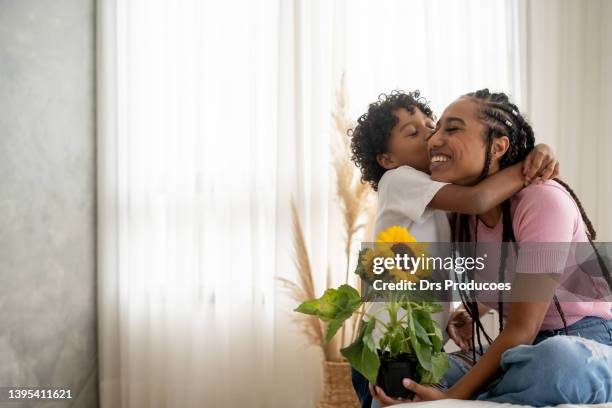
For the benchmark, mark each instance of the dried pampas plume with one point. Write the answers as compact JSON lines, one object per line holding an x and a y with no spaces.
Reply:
{"x":312,"y":328}
{"x":356,"y":201}
{"x":356,"y":198}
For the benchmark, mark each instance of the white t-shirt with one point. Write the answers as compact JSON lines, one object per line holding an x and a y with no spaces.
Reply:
{"x":403,"y":196}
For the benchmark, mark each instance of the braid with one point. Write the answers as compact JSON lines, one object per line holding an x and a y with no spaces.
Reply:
{"x":501,"y":118}
{"x":461,"y":233}
{"x":591,"y":233}
{"x":558,"y":307}
{"x":488,"y":158}
{"x":507,"y":236}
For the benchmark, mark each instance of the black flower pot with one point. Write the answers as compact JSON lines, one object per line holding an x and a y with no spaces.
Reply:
{"x":393,"y":370}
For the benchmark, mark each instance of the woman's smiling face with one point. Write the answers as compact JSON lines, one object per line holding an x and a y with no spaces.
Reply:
{"x":457,"y":147}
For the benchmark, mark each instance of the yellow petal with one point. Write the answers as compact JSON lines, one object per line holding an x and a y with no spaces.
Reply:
{"x":395,"y":233}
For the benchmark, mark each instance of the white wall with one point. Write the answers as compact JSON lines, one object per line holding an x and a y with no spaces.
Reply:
{"x":569,"y":95}
{"x":47,"y":157}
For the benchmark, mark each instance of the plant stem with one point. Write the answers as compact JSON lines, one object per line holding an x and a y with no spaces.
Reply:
{"x":347,"y":250}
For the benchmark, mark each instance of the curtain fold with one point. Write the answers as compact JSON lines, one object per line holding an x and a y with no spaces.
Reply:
{"x":212,"y":116}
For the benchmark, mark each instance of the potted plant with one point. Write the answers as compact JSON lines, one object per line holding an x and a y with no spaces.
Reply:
{"x":400,"y":338}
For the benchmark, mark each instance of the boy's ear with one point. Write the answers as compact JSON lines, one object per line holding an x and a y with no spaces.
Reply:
{"x":500,"y":146}
{"x":386,"y":161}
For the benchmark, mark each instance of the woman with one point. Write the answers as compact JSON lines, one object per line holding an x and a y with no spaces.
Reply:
{"x":530,"y":362}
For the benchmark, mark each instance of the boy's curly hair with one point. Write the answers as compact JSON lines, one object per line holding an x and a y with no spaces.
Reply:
{"x":371,"y":135}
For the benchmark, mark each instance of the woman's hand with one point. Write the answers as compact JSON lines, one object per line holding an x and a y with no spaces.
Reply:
{"x":540,"y":162}
{"x":421,"y":393}
{"x":459,"y":329}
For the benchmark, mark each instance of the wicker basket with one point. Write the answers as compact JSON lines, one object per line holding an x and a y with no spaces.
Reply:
{"x":338,"y":390}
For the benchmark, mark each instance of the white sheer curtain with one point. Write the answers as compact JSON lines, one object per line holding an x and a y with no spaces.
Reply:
{"x":212,"y":115}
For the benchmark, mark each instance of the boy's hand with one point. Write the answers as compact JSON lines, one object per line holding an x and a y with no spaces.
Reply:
{"x":540,"y":162}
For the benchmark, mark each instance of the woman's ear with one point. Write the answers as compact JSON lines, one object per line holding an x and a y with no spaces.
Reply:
{"x":386,"y":161}
{"x":500,"y":146}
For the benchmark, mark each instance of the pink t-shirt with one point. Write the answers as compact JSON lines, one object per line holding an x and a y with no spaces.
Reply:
{"x":546,"y":213}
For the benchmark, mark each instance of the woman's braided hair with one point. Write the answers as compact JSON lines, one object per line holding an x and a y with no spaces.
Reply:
{"x":502,"y":118}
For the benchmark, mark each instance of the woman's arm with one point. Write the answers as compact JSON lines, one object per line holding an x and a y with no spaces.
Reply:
{"x":498,"y":187}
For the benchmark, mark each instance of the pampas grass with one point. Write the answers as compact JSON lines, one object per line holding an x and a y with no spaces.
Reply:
{"x":356,"y":202}
{"x":355,"y":197}
{"x":313,"y":329}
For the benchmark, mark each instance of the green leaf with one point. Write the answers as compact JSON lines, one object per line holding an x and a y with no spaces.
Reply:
{"x":439,"y":364}
{"x":421,"y":333}
{"x":432,"y":308}
{"x":368,"y":339}
{"x":406,"y":347}
{"x":418,"y":334}
{"x":332,"y":329}
{"x":423,"y":353}
{"x":384,"y":341}
{"x":362,"y":353}
{"x":421,"y":349}
{"x":335,"y":306}
{"x":430,"y":326}
{"x":310,"y":307}
{"x":395,"y":345}
{"x":438,"y":338}
{"x":360,"y":269}
{"x":424,"y":376}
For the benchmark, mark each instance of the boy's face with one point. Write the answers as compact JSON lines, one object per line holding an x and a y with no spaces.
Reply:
{"x":408,"y":141}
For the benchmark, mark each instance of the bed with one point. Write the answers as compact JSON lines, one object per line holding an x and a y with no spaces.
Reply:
{"x":482,"y":404}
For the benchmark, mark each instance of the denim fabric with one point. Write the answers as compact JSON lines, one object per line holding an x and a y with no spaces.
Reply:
{"x":557,"y":369}
{"x":594,"y":328}
{"x":360,"y":384}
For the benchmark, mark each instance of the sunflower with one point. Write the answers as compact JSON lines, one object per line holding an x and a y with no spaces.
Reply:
{"x":400,"y":275}
{"x":395,"y":234}
{"x":380,"y":251}
{"x":403,"y":242}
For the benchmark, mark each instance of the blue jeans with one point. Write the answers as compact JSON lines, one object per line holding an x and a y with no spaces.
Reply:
{"x":556,"y":369}
{"x":360,"y":384}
